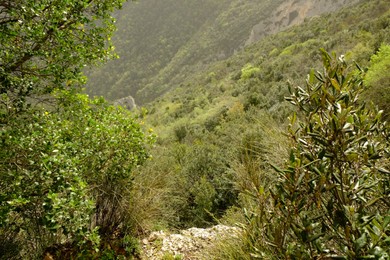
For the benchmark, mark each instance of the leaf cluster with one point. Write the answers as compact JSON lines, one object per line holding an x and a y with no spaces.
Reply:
{"x":67,"y":171}
{"x":332,"y":199}
{"x":45,"y":44}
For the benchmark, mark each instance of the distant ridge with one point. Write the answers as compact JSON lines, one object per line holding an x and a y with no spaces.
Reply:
{"x":163,"y":42}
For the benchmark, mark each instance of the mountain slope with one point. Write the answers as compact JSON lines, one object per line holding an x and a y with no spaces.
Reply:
{"x":230,"y":115}
{"x":258,"y":75}
{"x":161,"y":43}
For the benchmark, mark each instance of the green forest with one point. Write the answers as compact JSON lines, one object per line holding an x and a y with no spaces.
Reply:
{"x":285,"y":136}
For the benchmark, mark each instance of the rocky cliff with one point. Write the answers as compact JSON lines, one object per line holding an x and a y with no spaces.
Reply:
{"x":293,"y":12}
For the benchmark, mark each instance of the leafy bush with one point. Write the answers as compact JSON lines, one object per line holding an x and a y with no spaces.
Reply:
{"x":249,"y":71}
{"x":332,"y":199}
{"x":207,"y":183}
{"x":45,"y":45}
{"x":180,"y":132}
{"x":66,"y":172}
{"x":204,"y":196}
{"x":66,"y":168}
{"x":377,"y":80}
{"x":327,"y":195}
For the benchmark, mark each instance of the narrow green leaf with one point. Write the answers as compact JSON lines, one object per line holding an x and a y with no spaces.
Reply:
{"x":300,"y":179}
{"x":315,"y":237}
{"x":335,"y":84}
{"x":276,"y":168}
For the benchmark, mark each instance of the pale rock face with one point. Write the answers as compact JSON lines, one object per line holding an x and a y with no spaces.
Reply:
{"x":188,"y":244}
{"x":126,"y":102}
{"x":294,"y":12}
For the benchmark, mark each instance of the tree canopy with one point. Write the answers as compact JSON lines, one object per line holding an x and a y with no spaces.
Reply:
{"x":66,"y":167}
{"x":45,"y":44}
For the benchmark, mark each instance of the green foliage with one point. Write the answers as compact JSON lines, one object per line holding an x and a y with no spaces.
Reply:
{"x":132,"y":245}
{"x":67,"y":162}
{"x":380,"y":65}
{"x":45,"y":44}
{"x":208,"y":189}
{"x":214,"y":136}
{"x":332,"y":199}
{"x":42,"y":190}
{"x":127,"y":247}
{"x":67,"y":170}
{"x":185,"y":36}
{"x":170,"y":256}
{"x":249,"y":71}
{"x":180,"y":132}
{"x":204,"y":196}
{"x":377,"y":79}
{"x":156,"y":195}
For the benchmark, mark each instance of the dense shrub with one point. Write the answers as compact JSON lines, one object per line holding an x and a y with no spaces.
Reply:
{"x":208,"y":184}
{"x":331,"y":200}
{"x":66,"y":172}
{"x":377,"y":80}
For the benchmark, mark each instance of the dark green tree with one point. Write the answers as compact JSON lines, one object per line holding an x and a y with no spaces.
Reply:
{"x":45,"y":44}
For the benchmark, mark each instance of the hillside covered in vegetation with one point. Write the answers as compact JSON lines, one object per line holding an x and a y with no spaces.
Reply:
{"x":263,"y":116}
{"x":221,"y":129}
{"x":163,"y":42}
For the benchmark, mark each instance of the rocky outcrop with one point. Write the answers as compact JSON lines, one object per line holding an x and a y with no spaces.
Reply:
{"x":293,"y":12}
{"x":126,"y":102}
{"x":188,"y":244}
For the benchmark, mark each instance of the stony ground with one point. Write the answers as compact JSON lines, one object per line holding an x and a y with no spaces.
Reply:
{"x":187,"y":245}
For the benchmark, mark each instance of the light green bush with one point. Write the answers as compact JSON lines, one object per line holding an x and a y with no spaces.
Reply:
{"x":249,"y":71}
{"x":377,"y":79}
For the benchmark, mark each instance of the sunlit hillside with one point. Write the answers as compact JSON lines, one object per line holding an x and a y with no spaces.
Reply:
{"x":227,"y":129}
{"x":161,"y":43}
